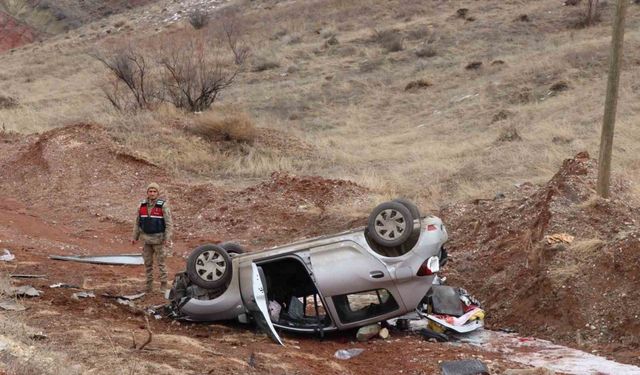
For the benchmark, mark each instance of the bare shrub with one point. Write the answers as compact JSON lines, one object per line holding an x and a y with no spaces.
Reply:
{"x":189,"y":71}
{"x":7,"y":102}
{"x":417,"y":84}
{"x":198,"y":19}
{"x":231,"y":125}
{"x":332,"y":41}
{"x":233,"y":30}
{"x":592,"y":15}
{"x":474,"y":65}
{"x":588,"y":17}
{"x":194,"y":77}
{"x":426,"y":50}
{"x":131,"y":69}
{"x":391,"y":40}
{"x":462,"y":12}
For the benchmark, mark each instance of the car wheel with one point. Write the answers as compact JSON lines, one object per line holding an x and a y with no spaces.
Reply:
{"x":415,"y":212}
{"x":232,"y":248}
{"x":209,"y":267}
{"x":390,"y":224}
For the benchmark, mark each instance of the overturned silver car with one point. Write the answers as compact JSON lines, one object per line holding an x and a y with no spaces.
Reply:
{"x":335,"y":282}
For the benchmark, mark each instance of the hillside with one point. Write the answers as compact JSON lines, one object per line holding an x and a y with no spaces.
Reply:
{"x":55,"y":17}
{"x":486,"y":113}
{"x":541,"y":77}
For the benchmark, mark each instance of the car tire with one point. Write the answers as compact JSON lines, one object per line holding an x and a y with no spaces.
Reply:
{"x":390,"y":224}
{"x":209,"y":267}
{"x":232,"y":248}
{"x":415,"y":212}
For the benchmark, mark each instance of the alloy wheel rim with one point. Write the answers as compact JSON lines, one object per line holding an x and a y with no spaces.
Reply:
{"x":210,"y":266}
{"x":390,"y":224}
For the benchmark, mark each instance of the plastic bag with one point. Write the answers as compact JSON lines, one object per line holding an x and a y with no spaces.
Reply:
{"x":348,"y":353}
{"x":7,"y":256}
{"x":274,"y":311}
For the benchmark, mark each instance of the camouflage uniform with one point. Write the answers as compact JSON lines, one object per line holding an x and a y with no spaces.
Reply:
{"x":153,"y":244}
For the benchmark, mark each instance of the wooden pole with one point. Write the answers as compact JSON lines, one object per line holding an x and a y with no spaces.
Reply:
{"x":611,"y":103}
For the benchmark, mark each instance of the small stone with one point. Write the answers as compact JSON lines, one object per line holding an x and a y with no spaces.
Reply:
{"x":367,"y":332}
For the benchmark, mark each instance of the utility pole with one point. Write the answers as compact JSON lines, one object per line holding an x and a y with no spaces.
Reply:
{"x":609,"y":119}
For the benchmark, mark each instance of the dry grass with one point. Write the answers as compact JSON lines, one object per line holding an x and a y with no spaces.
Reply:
{"x":347,"y":99}
{"x":587,"y":250}
{"x":229,"y":125}
{"x":189,"y":147}
{"x":571,"y":262}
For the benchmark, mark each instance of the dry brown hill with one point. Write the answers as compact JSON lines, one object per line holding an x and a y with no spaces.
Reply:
{"x":583,"y":292}
{"x":380,"y":90}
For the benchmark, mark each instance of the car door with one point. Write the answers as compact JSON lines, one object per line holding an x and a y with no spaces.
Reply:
{"x":261,"y":314}
{"x":357,"y":286}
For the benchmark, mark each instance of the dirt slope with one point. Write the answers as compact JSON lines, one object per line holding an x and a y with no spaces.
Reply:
{"x":85,"y":174}
{"x":582,"y":293}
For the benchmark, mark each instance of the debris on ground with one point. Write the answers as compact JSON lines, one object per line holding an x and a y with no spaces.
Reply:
{"x":79,"y":295}
{"x":368,"y":332}
{"x":119,"y":260}
{"x":63,"y":285}
{"x":384,"y":333}
{"x":38,"y":336}
{"x":464,"y":367}
{"x":348,"y":353}
{"x":125,"y":302}
{"x":451,"y":309}
{"x":7,"y":256}
{"x":11,"y":305}
{"x":156,"y":311}
{"x":431,"y":335}
{"x":25,"y":291}
{"x":129,"y":297}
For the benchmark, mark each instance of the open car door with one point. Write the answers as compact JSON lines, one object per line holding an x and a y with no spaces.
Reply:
{"x":261,"y":316}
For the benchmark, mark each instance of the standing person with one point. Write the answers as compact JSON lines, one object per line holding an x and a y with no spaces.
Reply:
{"x":154,"y":227}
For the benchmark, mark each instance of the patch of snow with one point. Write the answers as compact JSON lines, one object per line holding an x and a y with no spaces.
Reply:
{"x":543,"y":353}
